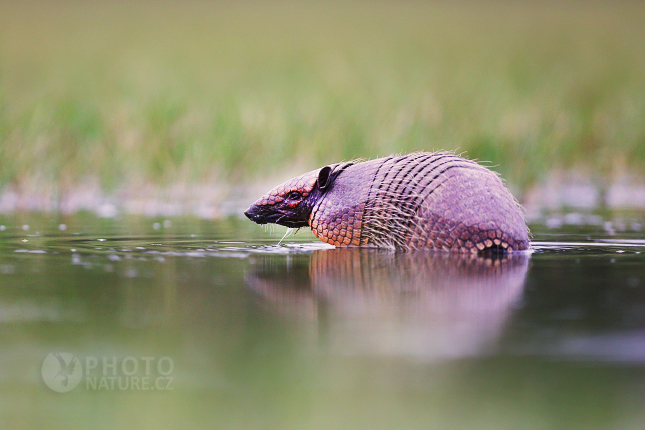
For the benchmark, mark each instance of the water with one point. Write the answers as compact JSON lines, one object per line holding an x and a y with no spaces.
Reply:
{"x":186,"y":323}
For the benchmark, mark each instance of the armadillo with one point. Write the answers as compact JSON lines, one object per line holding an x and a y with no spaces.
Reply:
{"x":437,"y":201}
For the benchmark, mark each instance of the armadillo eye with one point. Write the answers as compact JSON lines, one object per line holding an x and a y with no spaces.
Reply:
{"x":294,"y":195}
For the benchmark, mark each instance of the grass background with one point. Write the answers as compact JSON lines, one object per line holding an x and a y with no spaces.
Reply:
{"x":131,"y":93}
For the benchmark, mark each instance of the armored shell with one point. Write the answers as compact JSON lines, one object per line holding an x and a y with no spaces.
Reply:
{"x":417,"y":201}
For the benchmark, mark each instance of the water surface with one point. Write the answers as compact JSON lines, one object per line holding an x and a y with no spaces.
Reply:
{"x":252,"y":334}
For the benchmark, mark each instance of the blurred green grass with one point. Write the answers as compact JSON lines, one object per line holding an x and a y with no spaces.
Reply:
{"x":130,"y":93}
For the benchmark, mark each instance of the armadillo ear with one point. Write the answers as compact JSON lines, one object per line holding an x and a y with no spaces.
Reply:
{"x":323,"y":177}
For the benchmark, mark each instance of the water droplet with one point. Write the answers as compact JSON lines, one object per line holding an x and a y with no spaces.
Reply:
{"x":2,"y":228}
{"x":62,"y":227}
{"x":25,"y":227}
{"x":167,"y":224}
{"x":156,"y":226}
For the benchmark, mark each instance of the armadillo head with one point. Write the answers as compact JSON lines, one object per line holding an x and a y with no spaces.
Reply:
{"x":290,"y":204}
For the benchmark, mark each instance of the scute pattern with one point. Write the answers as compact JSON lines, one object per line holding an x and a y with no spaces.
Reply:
{"x":303,"y":184}
{"x":342,"y":229}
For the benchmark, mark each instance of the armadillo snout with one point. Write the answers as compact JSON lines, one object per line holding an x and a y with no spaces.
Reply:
{"x":254,"y":213}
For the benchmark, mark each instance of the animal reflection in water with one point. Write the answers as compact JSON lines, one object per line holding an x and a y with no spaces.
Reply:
{"x":414,"y":303}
